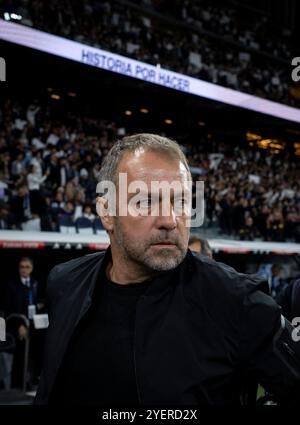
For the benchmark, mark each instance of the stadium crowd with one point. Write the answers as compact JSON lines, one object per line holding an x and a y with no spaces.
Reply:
{"x":251,"y":194}
{"x":208,"y":42}
{"x":250,"y":28}
{"x":49,"y":170}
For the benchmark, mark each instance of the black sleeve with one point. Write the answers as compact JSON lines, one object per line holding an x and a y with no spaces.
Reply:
{"x":52,"y":290}
{"x":50,"y":297}
{"x":261,"y":322}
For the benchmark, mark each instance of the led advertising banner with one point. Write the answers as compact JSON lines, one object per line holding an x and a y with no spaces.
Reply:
{"x":79,"y":52}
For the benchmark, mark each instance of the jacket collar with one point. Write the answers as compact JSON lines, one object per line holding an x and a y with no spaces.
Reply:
{"x":163,"y":282}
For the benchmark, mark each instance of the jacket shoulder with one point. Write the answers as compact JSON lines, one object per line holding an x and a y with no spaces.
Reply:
{"x":223,"y":279}
{"x":231,"y":298}
{"x":85,"y":260}
{"x":68,"y":274}
{"x":222,"y":289}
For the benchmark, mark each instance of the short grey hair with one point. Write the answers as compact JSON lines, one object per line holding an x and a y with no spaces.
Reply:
{"x":151,"y":142}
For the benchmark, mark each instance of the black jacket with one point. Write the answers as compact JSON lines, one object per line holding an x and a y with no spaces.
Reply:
{"x":200,"y":332}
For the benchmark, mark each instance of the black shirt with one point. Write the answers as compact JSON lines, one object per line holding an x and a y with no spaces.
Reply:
{"x":98,"y":367}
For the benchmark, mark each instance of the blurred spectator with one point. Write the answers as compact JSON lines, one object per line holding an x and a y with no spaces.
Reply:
{"x":32,"y":110}
{"x":21,"y":297}
{"x":18,"y":166}
{"x":200,"y":246}
{"x":6,"y":220}
{"x":71,"y":189}
{"x":275,"y":224}
{"x":65,"y":171}
{"x":21,"y":206}
{"x":87,"y":184}
{"x":57,"y":205}
{"x":68,"y":210}
{"x":38,"y":203}
{"x":273,"y":274}
{"x":37,"y":161}
{"x":54,"y":170}
{"x":87,"y":213}
{"x":248,"y":231}
{"x":34,"y":179}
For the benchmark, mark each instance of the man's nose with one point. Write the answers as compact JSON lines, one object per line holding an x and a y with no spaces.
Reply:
{"x":167,"y":219}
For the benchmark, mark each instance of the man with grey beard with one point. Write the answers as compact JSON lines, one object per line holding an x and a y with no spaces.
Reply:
{"x":148,"y":322}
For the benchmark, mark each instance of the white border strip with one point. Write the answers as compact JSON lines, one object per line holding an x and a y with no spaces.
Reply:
{"x":21,"y":239}
{"x":79,"y":52}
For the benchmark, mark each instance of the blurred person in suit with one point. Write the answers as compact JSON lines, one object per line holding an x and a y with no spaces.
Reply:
{"x":21,"y":297}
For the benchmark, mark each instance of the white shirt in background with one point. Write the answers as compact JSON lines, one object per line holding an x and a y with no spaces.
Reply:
{"x":34,"y":181}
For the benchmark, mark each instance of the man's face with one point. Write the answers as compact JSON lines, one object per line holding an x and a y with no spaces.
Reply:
{"x":156,"y":243}
{"x":25,"y":268}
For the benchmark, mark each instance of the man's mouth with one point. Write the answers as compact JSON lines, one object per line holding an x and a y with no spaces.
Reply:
{"x":165,"y":243}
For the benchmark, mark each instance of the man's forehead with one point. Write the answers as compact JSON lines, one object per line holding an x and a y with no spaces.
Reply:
{"x":151,"y":166}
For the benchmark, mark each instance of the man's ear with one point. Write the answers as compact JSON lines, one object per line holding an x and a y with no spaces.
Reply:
{"x":104,"y":213}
